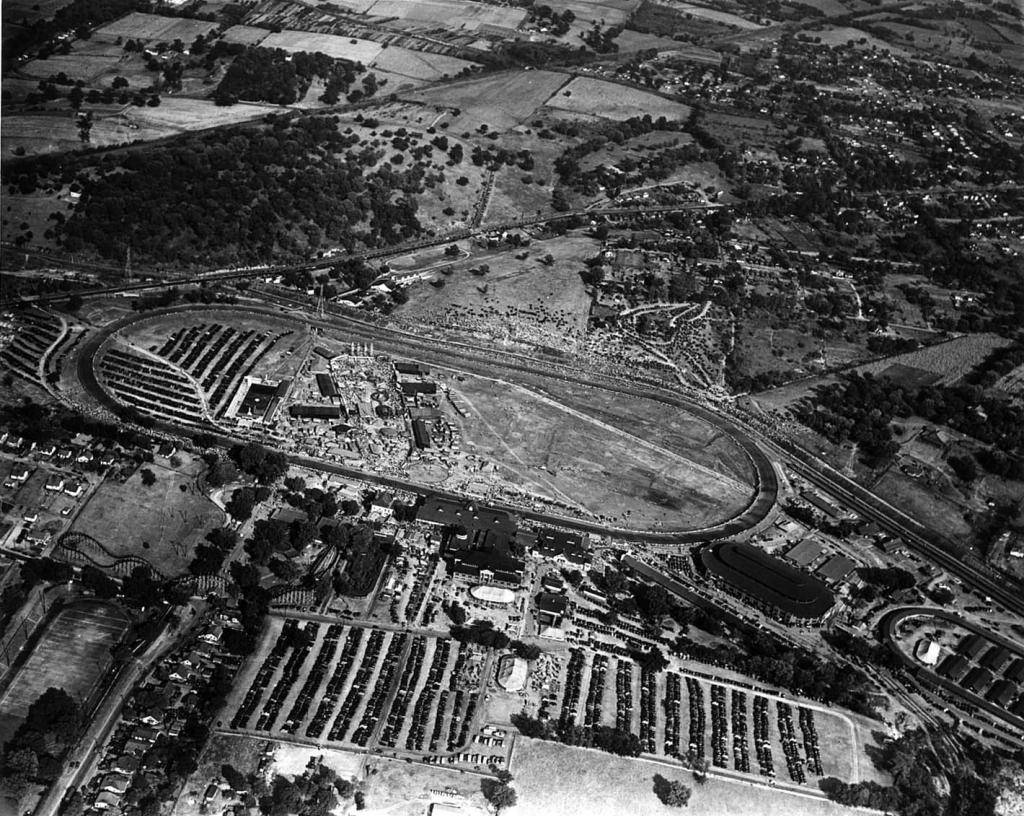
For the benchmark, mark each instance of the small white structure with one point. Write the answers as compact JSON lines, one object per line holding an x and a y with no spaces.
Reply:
{"x":927,"y":651}
{"x":512,"y":673}
{"x":492,"y":594}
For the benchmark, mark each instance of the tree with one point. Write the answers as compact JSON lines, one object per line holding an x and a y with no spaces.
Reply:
{"x":148,"y":477}
{"x":456,"y":613}
{"x":101,"y":585}
{"x":241,"y":503}
{"x":672,"y":793}
{"x":500,"y":794}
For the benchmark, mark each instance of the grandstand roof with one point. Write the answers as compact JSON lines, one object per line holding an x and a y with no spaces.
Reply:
{"x":754,"y":572}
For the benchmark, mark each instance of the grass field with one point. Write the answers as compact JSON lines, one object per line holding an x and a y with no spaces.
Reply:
{"x":501,"y":101}
{"x":332,"y":45}
{"x":246,"y":35}
{"x":612,"y":474}
{"x":124,"y":518}
{"x":612,"y":101}
{"x":553,"y":778}
{"x":73,"y":654}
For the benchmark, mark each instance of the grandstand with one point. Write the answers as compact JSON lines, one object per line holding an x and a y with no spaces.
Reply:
{"x":768,"y":583}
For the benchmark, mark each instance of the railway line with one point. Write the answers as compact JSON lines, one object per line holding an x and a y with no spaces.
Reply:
{"x":248,"y":273}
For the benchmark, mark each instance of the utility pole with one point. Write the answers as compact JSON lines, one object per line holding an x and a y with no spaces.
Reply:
{"x":128,"y":265}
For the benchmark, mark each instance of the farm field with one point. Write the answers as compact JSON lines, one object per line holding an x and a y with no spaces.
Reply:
{"x":350,"y":48}
{"x":141,"y":26}
{"x":161,"y":524}
{"x":951,"y":360}
{"x":718,"y":16}
{"x":611,"y":474}
{"x":73,"y":654}
{"x":40,"y":133}
{"x":418,"y":65}
{"x":612,"y":101}
{"x":548,"y":775}
{"x":500,"y":101}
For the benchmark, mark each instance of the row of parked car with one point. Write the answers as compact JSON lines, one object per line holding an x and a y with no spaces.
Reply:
{"x":265,"y":673}
{"x":343,"y":719}
{"x":375,"y":704}
{"x":573,"y":688}
{"x":314,"y":679}
{"x":648,"y":710}
{"x":794,"y":762}
{"x":403,"y":696}
{"x":624,"y":696}
{"x":762,"y":742}
{"x":592,"y":708}
{"x":290,"y":673}
{"x":673,"y":701}
{"x":698,"y":718}
{"x":334,"y":686}
{"x":740,"y":750}
{"x":810,"y":734}
{"x":418,"y":729}
{"x":719,"y":726}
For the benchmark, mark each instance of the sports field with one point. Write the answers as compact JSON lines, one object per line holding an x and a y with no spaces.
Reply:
{"x":554,"y":778}
{"x":73,"y":654}
{"x":125,"y":518}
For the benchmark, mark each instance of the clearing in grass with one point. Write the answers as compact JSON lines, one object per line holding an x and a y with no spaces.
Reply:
{"x":160,"y":523}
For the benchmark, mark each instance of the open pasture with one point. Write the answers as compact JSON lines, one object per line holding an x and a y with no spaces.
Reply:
{"x":161,"y":523}
{"x":87,"y":61}
{"x":350,"y":48}
{"x":612,"y":101}
{"x":141,"y":26}
{"x":73,"y":654}
{"x":501,"y":101}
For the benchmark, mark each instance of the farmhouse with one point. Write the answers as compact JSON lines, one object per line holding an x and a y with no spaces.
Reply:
{"x":768,"y":583}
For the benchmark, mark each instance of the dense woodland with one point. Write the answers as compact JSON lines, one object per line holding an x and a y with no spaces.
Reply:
{"x":861,"y":408}
{"x":243,"y":194}
{"x":274,"y":75}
